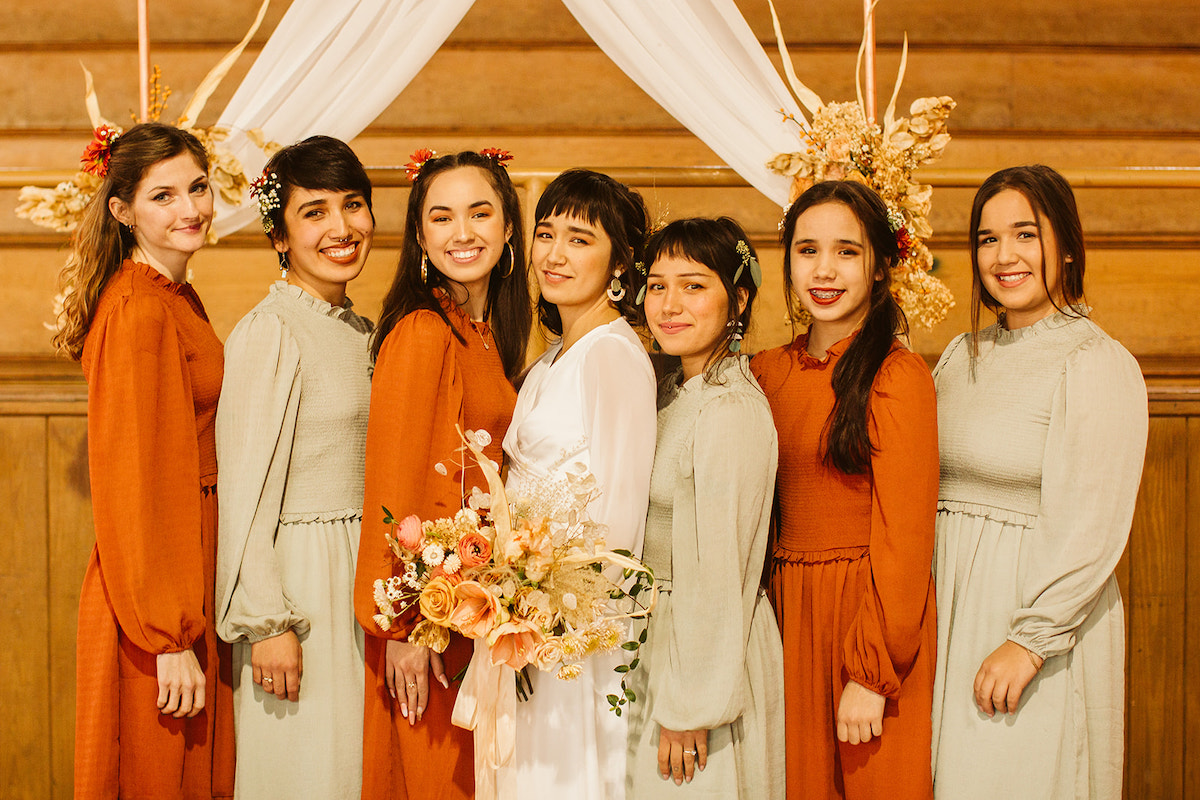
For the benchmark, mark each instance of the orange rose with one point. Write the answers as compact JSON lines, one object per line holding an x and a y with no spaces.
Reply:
{"x":473,"y":550}
{"x":513,"y":643}
{"x":476,"y":611}
{"x":437,"y":601}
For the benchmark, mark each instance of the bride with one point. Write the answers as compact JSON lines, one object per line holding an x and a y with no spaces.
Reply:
{"x":588,"y":402}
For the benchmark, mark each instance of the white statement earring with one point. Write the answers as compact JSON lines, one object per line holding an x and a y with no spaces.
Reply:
{"x":283,"y":266}
{"x":735,"y":341}
{"x":616,"y":289}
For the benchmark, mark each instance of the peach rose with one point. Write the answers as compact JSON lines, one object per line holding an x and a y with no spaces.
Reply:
{"x":548,"y":654}
{"x":473,"y":550}
{"x":476,"y":610}
{"x":437,"y":600}
{"x":513,"y":643}
{"x":410,"y":534}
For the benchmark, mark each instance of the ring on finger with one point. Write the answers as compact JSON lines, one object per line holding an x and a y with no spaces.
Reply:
{"x":689,"y":752}
{"x":267,"y":680}
{"x":411,"y":685}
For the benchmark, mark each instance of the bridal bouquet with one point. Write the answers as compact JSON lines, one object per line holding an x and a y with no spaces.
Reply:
{"x":532,"y":587}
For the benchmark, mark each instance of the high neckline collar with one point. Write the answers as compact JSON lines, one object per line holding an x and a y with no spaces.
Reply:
{"x":799,"y":348}
{"x":317,"y":304}
{"x":1058,"y":319}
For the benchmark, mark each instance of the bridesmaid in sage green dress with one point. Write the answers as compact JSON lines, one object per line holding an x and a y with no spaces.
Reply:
{"x":291,"y":432}
{"x":1042,"y":425}
{"x":708,"y":717}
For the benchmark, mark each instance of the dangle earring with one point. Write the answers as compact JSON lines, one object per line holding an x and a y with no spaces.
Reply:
{"x":616,"y":289}
{"x":283,"y":266}
{"x":512,"y":260}
{"x":735,"y":341}
{"x":424,"y":268}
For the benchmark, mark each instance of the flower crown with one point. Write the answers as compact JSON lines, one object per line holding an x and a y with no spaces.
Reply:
{"x":265,"y":190}
{"x":99,"y":150}
{"x":418,"y":160}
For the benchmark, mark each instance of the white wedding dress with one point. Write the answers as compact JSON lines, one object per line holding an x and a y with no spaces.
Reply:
{"x":594,"y":407}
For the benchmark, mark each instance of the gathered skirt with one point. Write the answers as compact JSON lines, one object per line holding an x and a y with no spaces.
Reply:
{"x":1067,"y":736}
{"x":311,"y":748}
{"x":816,"y":596}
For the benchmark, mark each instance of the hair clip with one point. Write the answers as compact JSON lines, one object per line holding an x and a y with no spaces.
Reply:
{"x":750,"y":261}
{"x":413,"y":168}
{"x":265,"y":189}
{"x":99,"y":150}
{"x":501,"y":157}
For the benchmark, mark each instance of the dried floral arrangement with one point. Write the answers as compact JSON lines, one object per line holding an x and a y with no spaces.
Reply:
{"x":841,"y":142}
{"x":535,"y":588}
{"x":60,"y":208}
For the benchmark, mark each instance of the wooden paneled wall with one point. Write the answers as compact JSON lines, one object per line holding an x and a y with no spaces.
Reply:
{"x":1082,"y":85}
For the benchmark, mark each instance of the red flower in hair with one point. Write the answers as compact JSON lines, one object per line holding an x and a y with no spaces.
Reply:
{"x":905,"y":242}
{"x":413,"y":168}
{"x":501,"y":157}
{"x":95,"y":157}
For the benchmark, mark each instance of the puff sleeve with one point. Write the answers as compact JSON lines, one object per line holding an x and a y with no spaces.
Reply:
{"x":1095,"y":448}
{"x":619,"y":419}
{"x":884,"y":637}
{"x":720,"y":517}
{"x":146,"y":498}
{"x":416,"y":402}
{"x":256,"y":425}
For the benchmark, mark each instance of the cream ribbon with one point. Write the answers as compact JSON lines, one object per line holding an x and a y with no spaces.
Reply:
{"x":487,"y":705}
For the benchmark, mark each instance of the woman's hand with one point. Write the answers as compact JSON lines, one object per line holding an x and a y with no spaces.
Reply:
{"x":1003,"y":676}
{"x":278,"y":663}
{"x":409,"y":665}
{"x":859,"y":714}
{"x":180,"y":684}
{"x":680,"y":753}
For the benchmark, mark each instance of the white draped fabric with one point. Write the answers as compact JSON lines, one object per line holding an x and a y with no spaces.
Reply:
{"x":330,"y":68}
{"x":701,"y":62}
{"x":333,"y":67}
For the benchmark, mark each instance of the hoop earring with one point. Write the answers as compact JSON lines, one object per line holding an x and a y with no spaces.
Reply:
{"x":616,"y":289}
{"x":512,"y":260}
{"x":424,"y":268}
{"x":283,"y":266}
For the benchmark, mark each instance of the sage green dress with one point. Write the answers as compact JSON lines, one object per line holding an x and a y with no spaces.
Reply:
{"x":1041,"y":444}
{"x":291,"y":437}
{"x":713,"y":658}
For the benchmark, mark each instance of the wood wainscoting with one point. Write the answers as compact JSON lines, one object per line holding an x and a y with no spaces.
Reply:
{"x":46,"y":536}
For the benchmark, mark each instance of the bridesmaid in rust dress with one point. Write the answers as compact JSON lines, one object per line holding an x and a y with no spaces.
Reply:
{"x":450,"y":339}
{"x":154,"y":706}
{"x":855,"y":503}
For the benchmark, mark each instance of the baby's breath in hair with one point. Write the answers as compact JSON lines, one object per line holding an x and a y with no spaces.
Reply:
{"x":265,"y":190}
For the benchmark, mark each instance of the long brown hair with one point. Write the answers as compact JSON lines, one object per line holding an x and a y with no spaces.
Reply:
{"x":1050,"y":196}
{"x":100,"y":244}
{"x":508,"y":307}
{"x":847,"y":440}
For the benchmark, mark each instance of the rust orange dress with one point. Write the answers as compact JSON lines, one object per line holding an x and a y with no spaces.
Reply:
{"x":426,"y":381}
{"x":153,"y":366}
{"x":850,"y":579}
